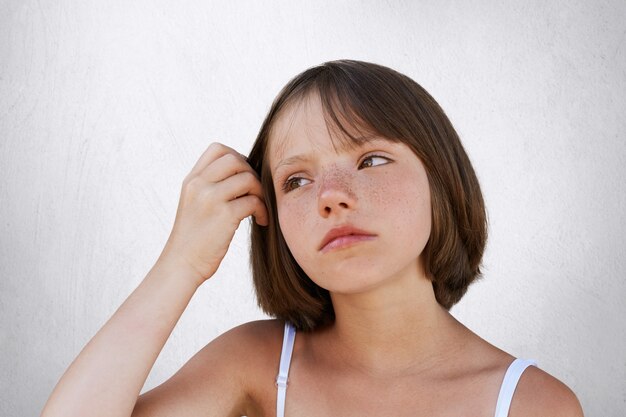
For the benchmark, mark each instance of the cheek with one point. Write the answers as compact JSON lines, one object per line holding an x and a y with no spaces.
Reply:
{"x":405,"y":204}
{"x":292,"y":220}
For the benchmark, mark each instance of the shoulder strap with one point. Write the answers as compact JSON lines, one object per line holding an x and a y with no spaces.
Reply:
{"x":283,"y":371}
{"x":511,"y":378}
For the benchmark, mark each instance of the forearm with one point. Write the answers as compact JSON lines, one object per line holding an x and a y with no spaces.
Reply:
{"x":107,"y":376}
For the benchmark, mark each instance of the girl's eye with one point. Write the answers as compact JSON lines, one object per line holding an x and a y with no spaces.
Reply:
{"x":293,"y":183}
{"x":373,"y":160}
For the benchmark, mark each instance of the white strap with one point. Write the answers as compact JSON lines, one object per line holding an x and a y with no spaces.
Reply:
{"x":283,"y":371}
{"x":511,"y":378}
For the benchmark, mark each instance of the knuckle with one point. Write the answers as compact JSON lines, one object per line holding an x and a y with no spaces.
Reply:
{"x":251,"y":203}
{"x":186,"y":182}
{"x":249,"y":182}
{"x":253,"y":200}
{"x":194,"y":184}
{"x":258,"y":203}
{"x":216,"y":146}
{"x":248,"y":177}
{"x":230,"y":158}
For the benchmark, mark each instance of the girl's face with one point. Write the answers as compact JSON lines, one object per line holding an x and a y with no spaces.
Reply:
{"x":379,"y":187}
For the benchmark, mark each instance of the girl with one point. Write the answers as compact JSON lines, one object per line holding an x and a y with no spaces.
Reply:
{"x":369,"y":226}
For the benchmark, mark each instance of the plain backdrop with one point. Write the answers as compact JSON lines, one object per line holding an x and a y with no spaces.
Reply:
{"x":106,"y":106}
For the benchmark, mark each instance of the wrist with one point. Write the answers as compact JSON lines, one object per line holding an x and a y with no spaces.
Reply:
{"x":179,"y":270}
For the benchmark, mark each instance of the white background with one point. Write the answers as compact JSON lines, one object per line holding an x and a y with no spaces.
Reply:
{"x":106,"y":106}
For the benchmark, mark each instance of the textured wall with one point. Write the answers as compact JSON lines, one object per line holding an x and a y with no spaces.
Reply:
{"x":106,"y":106}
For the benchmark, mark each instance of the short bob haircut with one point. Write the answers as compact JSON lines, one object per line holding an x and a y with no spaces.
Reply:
{"x":382,"y":102}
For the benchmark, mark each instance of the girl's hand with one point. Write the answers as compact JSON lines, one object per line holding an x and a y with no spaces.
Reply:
{"x":219,"y":192}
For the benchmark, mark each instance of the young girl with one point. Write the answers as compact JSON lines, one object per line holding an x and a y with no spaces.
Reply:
{"x":369,"y":226}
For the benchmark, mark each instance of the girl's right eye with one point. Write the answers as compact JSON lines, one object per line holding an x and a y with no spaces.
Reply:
{"x":293,"y":183}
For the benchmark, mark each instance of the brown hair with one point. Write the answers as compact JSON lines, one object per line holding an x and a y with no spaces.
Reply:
{"x":386,"y":103}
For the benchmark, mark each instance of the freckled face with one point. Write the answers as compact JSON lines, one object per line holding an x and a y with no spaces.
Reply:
{"x":380,"y":187}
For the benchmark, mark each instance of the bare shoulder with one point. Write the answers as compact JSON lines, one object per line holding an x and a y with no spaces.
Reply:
{"x":539,"y":394}
{"x":219,"y":379}
{"x":245,"y":345}
{"x":255,"y":336}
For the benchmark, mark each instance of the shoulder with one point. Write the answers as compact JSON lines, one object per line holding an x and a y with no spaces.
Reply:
{"x":255,"y":348}
{"x":220,"y":378}
{"x":539,"y":394}
{"x":244,"y":344}
{"x":255,"y":331}
{"x":250,"y":346}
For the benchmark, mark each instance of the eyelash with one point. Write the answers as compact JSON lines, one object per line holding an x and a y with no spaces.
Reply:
{"x":287,"y":184}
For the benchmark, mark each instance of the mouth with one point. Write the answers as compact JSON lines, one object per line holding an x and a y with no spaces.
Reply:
{"x":344,"y":236}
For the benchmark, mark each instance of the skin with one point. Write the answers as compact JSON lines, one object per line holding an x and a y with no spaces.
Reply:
{"x":392,"y":350}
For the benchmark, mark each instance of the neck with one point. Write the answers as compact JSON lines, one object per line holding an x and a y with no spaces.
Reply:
{"x":393,"y":330}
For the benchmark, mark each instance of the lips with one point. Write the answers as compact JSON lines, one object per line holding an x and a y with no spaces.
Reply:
{"x":343,"y":236}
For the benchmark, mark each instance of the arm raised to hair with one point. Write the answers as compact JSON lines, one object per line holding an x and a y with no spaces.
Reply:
{"x":107,"y":376}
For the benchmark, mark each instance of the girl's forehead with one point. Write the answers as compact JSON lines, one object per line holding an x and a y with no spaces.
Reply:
{"x":282,"y":129}
{"x":303,"y":124}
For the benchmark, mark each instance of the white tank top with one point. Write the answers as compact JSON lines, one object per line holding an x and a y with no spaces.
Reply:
{"x":511,"y":377}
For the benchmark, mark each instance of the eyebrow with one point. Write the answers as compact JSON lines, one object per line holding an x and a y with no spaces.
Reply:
{"x":293,"y":160}
{"x":307,"y":157}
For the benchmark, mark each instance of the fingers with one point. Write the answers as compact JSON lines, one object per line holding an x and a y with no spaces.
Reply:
{"x":238,"y":185}
{"x":247,"y":205}
{"x":225,"y":166}
{"x":213,"y":152}
{"x":227,"y":175}
{"x":231,"y":177}
{"x":245,"y":196}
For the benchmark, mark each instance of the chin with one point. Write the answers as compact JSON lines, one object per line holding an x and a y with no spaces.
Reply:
{"x":354,"y":276}
{"x":354,"y":281}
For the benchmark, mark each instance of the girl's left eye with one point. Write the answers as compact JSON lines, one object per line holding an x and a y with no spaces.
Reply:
{"x":373,"y":160}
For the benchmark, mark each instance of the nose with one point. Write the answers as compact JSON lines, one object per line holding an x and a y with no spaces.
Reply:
{"x":336,"y":195}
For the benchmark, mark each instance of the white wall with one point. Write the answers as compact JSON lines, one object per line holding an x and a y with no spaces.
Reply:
{"x":106,"y":106}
